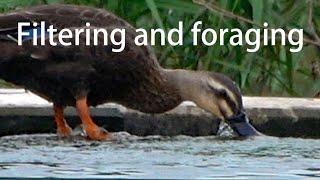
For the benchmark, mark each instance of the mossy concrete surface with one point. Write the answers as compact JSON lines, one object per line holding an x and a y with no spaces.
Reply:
{"x":23,"y":112}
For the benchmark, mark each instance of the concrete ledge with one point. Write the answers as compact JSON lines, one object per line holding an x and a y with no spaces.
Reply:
{"x":24,"y":112}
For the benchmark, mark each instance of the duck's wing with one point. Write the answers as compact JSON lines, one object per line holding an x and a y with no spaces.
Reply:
{"x":103,"y":51}
{"x":61,"y":16}
{"x":72,"y":17}
{"x":132,"y":58}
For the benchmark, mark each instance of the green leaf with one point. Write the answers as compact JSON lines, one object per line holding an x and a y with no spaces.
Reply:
{"x":257,"y":10}
{"x":185,"y":6}
{"x":155,"y":13}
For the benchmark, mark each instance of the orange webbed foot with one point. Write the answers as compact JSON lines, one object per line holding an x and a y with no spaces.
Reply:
{"x":93,"y":131}
{"x":97,"y":133}
{"x":64,"y":131}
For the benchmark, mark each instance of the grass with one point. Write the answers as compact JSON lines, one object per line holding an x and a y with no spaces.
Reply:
{"x":272,"y":71}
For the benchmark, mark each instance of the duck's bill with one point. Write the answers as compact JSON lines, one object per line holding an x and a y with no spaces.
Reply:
{"x":241,"y":125}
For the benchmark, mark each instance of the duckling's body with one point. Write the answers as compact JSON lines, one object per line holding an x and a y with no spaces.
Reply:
{"x":83,"y":75}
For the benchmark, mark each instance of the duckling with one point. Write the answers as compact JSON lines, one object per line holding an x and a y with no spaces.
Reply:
{"x":84,"y":76}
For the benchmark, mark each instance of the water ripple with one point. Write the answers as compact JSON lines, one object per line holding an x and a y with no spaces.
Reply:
{"x":181,"y":157}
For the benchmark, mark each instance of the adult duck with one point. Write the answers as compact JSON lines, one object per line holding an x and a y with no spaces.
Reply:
{"x":83,"y":76}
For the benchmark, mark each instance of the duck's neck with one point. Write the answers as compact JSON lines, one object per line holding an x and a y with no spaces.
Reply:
{"x":162,"y":91}
{"x":185,"y":82}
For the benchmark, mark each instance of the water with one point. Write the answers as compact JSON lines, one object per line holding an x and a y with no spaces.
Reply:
{"x":159,"y":157}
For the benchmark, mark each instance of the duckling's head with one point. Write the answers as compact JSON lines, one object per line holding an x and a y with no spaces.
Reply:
{"x":216,"y":94}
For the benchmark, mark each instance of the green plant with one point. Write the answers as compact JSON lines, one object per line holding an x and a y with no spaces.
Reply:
{"x":272,"y":71}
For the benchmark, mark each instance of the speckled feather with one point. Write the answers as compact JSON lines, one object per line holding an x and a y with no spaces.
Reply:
{"x":60,"y":74}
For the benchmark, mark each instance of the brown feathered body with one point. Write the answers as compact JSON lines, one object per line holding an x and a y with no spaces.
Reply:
{"x":132,"y":77}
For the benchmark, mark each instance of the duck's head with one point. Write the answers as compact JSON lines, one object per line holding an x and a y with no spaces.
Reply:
{"x":216,"y":94}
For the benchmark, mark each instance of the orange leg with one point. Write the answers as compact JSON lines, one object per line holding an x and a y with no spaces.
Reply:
{"x":92,"y":130}
{"x":62,"y":127}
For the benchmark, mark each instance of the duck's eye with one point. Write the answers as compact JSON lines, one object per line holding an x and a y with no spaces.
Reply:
{"x":219,"y":92}
{"x":222,"y":93}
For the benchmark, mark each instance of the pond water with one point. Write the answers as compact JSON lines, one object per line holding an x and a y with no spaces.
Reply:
{"x":130,"y":156}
